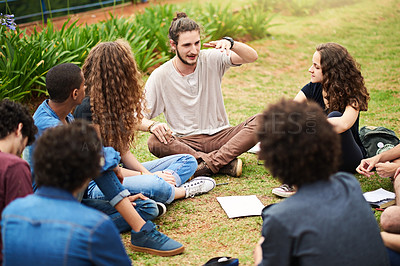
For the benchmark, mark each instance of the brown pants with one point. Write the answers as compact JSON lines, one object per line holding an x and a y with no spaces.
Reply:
{"x":216,"y":150}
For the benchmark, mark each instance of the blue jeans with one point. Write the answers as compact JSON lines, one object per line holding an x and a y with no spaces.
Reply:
{"x":147,"y":209}
{"x":110,"y":185}
{"x":182,"y":167}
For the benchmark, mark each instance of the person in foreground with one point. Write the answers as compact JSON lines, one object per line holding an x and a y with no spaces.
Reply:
{"x":390,"y":224}
{"x":338,"y":87}
{"x":60,"y":230}
{"x":114,"y":85}
{"x":16,"y":131}
{"x":65,"y":85}
{"x":187,"y":89}
{"x":328,"y":221}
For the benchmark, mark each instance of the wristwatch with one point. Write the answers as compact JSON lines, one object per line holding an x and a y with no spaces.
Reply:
{"x":229,"y":39}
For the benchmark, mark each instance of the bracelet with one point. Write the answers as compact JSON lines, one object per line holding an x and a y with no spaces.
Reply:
{"x":152,"y":124}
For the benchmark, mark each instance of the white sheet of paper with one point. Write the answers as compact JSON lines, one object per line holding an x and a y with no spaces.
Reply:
{"x":240,"y":206}
{"x":378,"y":195}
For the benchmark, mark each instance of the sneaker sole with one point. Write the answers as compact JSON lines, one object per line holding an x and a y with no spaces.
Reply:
{"x":239,"y":168}
{"x":238,"y":172}
{"x":158,"y":252}
{"x":283,"y":194}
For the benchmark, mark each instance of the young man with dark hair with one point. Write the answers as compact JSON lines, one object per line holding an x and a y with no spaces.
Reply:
{"x":187,"y":89}
{"x":60,"y":230}
{"x":61,"y":81}
{"x":328,"y":221}
{"x":16,"y":131}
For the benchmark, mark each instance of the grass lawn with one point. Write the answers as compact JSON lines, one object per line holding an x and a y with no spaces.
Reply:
{"x":369,"y":30}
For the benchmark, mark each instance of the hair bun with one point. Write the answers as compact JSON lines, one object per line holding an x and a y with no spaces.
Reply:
{"x":180,"y":15}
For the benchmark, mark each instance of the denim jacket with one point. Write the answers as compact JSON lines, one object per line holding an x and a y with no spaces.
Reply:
{"x":51,"y":227}
{"x":44,"y":118}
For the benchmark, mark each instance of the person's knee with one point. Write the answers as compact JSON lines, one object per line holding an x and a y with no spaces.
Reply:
{"x":154,"y":145}
{"x":147,"y":209}
{"x":190,"y":160}
{"x":390,"y":220}
{"x":254,"y":121}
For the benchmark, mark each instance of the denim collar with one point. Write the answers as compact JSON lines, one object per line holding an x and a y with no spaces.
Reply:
{"x":51,"y":112}
{"x":56,"y":193}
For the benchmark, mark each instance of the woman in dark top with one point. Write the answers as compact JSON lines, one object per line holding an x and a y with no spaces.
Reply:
{"x":338,"y":87}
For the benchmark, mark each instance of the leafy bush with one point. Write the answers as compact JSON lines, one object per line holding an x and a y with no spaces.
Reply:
{"x":157,"y":19}
{"x":218,"y":21}
{"x":25,"y":59}
{"x":256,"y":21}
{"x":24,"y":62}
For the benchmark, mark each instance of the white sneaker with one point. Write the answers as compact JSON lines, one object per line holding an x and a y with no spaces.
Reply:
{"x":284,"y":191}
{"x":162,"y":209}
{"x":199,"y":185}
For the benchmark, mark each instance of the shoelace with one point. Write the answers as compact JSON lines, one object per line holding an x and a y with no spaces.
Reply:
{"x":194,"y":188}
{"x":157,"y":236}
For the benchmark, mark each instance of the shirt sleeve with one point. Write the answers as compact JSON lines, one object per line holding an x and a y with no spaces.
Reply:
{"x":107,"y":248}
{"x":19,"y":182}
{"x":307,"y":90}
{"x":276,"y":247}
{"x":221,"y":59}
{"x":313,"y":91}
{"x":155,"y":104}
{"x":111,"y":158}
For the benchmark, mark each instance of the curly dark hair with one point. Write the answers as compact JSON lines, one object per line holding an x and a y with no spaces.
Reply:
{"x":298,"y":144}
{"x":61,"y":80}
{"x":181,"y":23}
{"x":67,"y":156}
{"x":13,"y":113}
{"x":115,"y":87}
{"x":342,"y":80}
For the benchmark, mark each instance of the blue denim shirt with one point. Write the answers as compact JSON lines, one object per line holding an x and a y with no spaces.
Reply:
{"x":44,"y":118}
{"x":51,"y":227}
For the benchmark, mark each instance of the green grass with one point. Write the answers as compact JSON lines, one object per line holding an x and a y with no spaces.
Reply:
{"x":369,"y":30}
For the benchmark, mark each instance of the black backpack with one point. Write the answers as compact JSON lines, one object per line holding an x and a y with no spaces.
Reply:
{"x":377,"y":139}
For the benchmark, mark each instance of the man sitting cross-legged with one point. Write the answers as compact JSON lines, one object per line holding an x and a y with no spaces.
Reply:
{"x":187,"y":89}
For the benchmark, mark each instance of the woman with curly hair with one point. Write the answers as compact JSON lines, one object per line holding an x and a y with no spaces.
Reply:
{"x":115,"y":105}
{"x":338,"y":87}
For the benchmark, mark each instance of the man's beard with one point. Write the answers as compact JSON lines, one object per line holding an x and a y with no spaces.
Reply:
{"x":183,"y":60}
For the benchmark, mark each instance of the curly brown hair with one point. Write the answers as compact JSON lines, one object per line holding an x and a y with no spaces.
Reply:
{"x":298,"y":144}
{"x":115,"y":87}
{"x":342,"y":79}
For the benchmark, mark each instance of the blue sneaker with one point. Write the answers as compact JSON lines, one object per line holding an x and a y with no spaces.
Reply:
{"x":149,"y":240}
